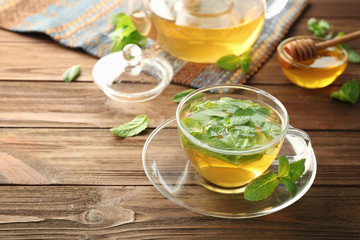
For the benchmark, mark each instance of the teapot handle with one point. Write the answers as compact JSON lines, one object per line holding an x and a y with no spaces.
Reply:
{"x":274,"y":7}
{"x":140,"y":15}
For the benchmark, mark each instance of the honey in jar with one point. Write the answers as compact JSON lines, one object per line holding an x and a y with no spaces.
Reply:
{"x":317,"y":72}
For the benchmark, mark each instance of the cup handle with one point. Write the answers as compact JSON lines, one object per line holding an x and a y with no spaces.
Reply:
{"x":274,"y":7}
{"x":301,"y":143}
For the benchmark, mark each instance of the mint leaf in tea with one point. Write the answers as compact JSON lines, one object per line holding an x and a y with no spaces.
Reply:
{"x":231,"y":62}
{"x":230,"y":124}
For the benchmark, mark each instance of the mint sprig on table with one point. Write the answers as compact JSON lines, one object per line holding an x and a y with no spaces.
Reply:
{"x":71,"y":73}
{"x":132,"y":128}
{"x":231,"y":62}
{"x":323,"y":29}
{"x":124,"y":33}
{"x":263,"y":186}
{"x":348,"y":92}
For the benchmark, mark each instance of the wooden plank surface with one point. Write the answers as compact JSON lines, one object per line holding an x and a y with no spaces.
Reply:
{"x":96,"y":157}
{"x":123,"y":213}
{"x":48,"y":61}
{"x":120,"y":212}
{"x":64,"y":176}
{"x":30,"y":104}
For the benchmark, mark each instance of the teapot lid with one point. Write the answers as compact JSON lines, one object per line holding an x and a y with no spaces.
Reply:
{"x":131,"y":75}
{"x":207,"y":14}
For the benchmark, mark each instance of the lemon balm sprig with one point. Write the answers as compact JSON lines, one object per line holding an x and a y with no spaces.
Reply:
{"x":263,"y":186}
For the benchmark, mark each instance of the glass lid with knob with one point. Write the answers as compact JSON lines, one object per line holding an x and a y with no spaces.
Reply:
{"x":132,"y":75}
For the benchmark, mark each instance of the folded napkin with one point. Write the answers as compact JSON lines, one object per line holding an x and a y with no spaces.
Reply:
{"x":85,"y":24}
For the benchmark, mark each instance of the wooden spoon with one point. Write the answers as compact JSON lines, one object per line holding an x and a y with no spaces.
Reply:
{"x":306,"y":48}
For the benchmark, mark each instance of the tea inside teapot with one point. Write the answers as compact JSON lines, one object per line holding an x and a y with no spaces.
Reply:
{"x":206,"y":30}
{"x":203,"y":30}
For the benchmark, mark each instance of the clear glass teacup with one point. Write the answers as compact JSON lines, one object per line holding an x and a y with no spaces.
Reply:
{"x":232,"y":134}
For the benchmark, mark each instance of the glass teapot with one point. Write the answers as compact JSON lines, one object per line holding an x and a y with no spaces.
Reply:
{"x":203,"y":30}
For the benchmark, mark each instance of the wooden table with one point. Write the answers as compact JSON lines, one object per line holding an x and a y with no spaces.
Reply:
{"x":64,"y":176}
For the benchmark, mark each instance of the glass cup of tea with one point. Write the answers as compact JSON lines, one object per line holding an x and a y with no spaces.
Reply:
{"x":231,"y":134}
{"x":203,"y":30}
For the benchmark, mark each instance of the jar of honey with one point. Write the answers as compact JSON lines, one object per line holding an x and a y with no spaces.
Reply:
{"x":317,"y":72}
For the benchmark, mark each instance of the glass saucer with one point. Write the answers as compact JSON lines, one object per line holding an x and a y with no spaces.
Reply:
{"x":169,"y":170}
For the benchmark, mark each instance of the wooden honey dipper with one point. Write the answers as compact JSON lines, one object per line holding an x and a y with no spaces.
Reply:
{"x":306,"y":48}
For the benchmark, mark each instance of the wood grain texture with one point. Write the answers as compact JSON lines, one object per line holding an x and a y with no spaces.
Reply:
{"x":48,"y":61}
{"x":88,"y":212}
{"x":96,"y":157}
{"x":333,"y":8}
{"x":8,"y":36}
{"x":64,"y":176}
{"x":30,"y":104}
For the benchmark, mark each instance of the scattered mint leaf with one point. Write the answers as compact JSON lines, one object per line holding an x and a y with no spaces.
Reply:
{"x":290,"y":185}
{"x":324,"y":24}
{"x":312,"y":24}
{"x":296,"y":169}
{"x":228,"y":62}
{"x":132,"y":128}
{"x":321,"y":29}
{"x":134,"y":37}
{"x":244,"y":64}
{"x":120,"y":20}
{"x":231,"y":62}
{"x":245,"y":60}
{"x":71,"y":73}
{"x":348,"y":92}
{"x":284,"y":166}
{"x":261,"y":187}
{"x":179,"y":96}
{"x":124,"y":33}
{"x":353,"y":57}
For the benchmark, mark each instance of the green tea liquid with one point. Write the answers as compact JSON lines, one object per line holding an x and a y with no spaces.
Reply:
{"x":232,"y":125}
